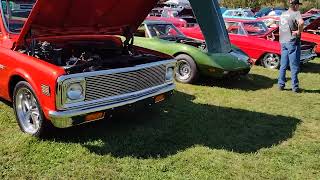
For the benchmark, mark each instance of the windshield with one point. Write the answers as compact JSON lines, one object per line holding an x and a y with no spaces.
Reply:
{"x":163,"y":30}
{"x":255,"y":28}
{"x":248,"y":13}
{"x":15,"y":13}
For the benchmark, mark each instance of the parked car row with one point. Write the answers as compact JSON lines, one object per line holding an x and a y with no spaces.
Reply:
{"x":258,"y":41}
{"x":259,"y":37}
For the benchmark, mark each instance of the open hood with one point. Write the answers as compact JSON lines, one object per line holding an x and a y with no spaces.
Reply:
{"x":314,"y":25}
{"x":212,"y":25}
{"x":83,"y":17}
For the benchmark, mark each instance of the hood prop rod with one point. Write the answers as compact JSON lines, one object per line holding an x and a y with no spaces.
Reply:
{"x":128,"y":43}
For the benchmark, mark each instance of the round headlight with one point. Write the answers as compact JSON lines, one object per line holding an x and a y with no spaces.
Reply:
{"x":75,"y":91}
{"x":170,"y":74}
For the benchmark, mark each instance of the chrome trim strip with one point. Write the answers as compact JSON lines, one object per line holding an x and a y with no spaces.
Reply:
{"x":114,"y":71}
{"x":63,"y":119}
{"x":60,"y":82}
{"x":113,"y":98}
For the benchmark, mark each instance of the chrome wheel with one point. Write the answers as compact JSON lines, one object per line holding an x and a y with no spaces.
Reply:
{"x":27,"y":110}
{"x":183,"y":71}
{"x":271,"y":61}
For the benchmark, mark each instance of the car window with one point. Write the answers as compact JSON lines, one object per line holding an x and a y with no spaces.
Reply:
{"x":15,"y":13}
{"x":229,"y":13}
{"x":255,"y":28}
{"x":248,"y":14}
{"x":163,"y":30}
{"x":234,"y":28}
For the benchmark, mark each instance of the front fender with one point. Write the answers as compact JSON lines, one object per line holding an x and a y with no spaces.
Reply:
{"x":37,"y":73}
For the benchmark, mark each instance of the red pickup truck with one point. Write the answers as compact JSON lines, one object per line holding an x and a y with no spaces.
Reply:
{"x":62,"y":62}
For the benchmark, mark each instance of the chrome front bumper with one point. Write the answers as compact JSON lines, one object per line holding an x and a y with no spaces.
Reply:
{"x":306,"y":58}
{"x":65,"y":119}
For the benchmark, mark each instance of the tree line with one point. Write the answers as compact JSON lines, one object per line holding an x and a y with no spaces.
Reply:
{"x":256,"y":4}
{"x":307,"y":4}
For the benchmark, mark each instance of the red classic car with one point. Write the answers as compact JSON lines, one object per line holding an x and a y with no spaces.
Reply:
{"x":311,"y":31}
{"x":192,"y":32}
{"x":167,"y":15}
{"x":62,"y":61}
{"x":313,"y":11}
{"x":183,"y":18}
{"x":255,"y":39}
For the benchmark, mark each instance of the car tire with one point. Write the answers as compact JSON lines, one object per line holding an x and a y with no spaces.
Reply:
{"x":28,"y":112}
{"x":271,"y":61}
{"x":186,"y":70}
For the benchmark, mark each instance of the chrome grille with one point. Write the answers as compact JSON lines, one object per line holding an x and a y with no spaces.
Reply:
{"x":104,"y":86}
{"x":26,"y":6}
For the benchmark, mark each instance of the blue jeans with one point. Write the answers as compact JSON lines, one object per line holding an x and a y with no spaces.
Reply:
{"x":290,"y":55}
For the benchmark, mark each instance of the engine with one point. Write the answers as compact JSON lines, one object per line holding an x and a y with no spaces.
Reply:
{"x":78,"y":57}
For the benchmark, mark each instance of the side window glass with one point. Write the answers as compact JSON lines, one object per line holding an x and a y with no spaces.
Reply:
{"x":241,"y":30}
{"x":230,"y":13}
{"x":233,"y":27}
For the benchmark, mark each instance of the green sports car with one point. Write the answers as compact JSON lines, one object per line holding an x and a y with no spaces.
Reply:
{"x":193,"y":58}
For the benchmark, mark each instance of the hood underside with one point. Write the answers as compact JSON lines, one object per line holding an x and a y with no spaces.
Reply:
{"x":115,"y":17}
{"x":78,"y":17}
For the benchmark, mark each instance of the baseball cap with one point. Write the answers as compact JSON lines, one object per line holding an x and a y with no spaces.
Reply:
{"x":295,"y":2}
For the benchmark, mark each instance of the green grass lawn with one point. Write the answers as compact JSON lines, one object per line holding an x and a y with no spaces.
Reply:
{"x":245,"y":129}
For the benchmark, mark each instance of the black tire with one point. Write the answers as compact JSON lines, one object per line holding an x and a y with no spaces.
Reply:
{"x":23,"y":89}
{"x":271,"y":61}
{"x":186,"y":69}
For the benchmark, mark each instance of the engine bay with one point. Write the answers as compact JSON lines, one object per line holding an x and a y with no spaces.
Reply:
{"x":88,"y":56}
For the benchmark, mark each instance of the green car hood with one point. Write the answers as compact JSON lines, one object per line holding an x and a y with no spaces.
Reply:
{"x":212,"y":25}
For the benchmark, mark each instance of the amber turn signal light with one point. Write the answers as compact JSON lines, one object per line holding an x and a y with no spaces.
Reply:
{"x":159,"y":98}
{"x":95,"y":116}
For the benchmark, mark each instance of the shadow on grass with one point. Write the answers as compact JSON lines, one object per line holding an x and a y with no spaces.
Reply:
{"x":251,"y":82}
{"x":177,"y":125}
{"x":311,"y":91}
{"x":5,"y":102}
{"x":311,"y":68}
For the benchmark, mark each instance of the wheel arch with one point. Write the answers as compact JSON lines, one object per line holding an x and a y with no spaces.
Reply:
{"x":184,"y":53}
{"x":19,"y":76}
{"x":13,"y":81}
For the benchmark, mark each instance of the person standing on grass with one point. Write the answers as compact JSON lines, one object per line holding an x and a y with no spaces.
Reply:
{"x":291,"y":27}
